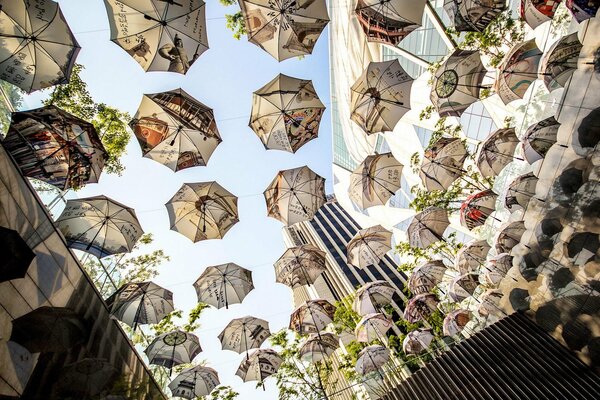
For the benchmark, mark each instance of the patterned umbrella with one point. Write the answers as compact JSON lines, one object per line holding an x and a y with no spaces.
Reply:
{"x":372,"y":296}
{"x":300,"y":265}
{"x":224,"y":284}
{"x":497,"y":268}
{"x":442,"y":163}
{"x":318,"y":347}
{"x":419,"y":307}
{"x":194,"y":382}
{"x":520,"y":191}
{"x":243,"y":334}
{"x":497,"y":151}
{"x":286,"y":113}
{"x":589,"y":36}
{"x":427,"y":227}
{"x":140,"y":303}
{"x":389,"y":21}
{"x":86,"y":378}
{"x":38,"y":48}
{"x":203,"y":210}
{"x":583,"y":9}
{"x":375,"y":180}
{"x":518,"y":70}
{"x":536,"y":12}
{"x":456,"y":321}
{"x":368,"y":246}
{"x":426,"y":276}
{"x":284,"y":29}
{"x":473,"y":15}
{"x":371,"y":359}
{"x":417,"y":341}
{"x":509,"y":236}
{"x":261,"y":364}
{"x":380,"y":96}
{"x":560,"y":61}
{"x":159,"y":34}
{"x":99,"y":225}
{"x":463,"y":286}
{"x":489,"y":303}
{"x":17,"y":255}
{"x":457,"y":82}
{"x":312,"y":317}
{"x":295,"y":195}
{"x":539,"y":138}
{"x":372,"y":327}
{"x":173,"y":348}
{"x":476,"y":209}
{"x":470,"y":257}
{"x":175,"y":130}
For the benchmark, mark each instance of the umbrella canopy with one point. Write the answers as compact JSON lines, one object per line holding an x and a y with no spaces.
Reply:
{"x":470,"y":257}
{"x":38,"y":48}
{"x":173,"y":348}
{"x":426,"y":276}
{"x":140,"y":303}
{"x":372,"y":327}
{"x":194,"y":382}
{"x":175,"y":130}
{"x":427,"y":227}
{"x":312,"y":317}
{"x":497,"y":268}
{"x":300,"y":265}
{"x":389,"y":21}
{"x":202,"y":211}
{"x":489,"y":303}
{"x":520,"y":191}
{"x":455,"y":322}
{"x":243,"y":334}
{"x":463,"y":286}
{"x":284,"y":29}
{"x":417,"y":341}
{"x":509,"y":236}
{"x":224,"y":284}
{"x":419,"y":307}
{"x":16,"y":255}
{"x":476,"y":209}
{"x":295,"y":195}
{"x":380,"y":96}
{"x":286,"y":113}
{"x":583,"y":9}
{"x":261,"y":364}
{"x":372,"y":296}
{"x":560,"y":61}
{"x":443,"y":163}
{"x":518,"y":70}
{"x":160,"y":35}
{"x":457,"y":82}
{"x":371,"y":359}
{"x":99,"y":225}
{"x":318,"y":347}
{"x":472,"y":15}
{"x":86,"y":378}
{"x":539,"y":138}
{"x":368,"y":246}
{"x":375,"y":180}
{"x":589,"y":36}
{"x":55,"y":147}
{"x":536,"y":12}
{"x":497,"y":151}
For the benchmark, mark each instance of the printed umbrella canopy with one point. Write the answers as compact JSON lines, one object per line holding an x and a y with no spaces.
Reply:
{"x":16,"y":255}
{"x":372,"y":296}
{"x":463,"y":286}
{"x":520,"y":191}
{"x":497,"y":268}
{"x":583,"y":9}
{"x":539,"y":138}
{"x":55,"y":147}
{"x":282,"y":28}
{"x":159,"y":34}
{"x":375,"y":180}
{"x":368,"y":246}
{"x":456,"y":321}
{"x":99,"y":225}
{"x":175,"y":130}
{"x":470,"y":257}
{"x":261,"y":364}
{"x":473,"y":15}
{"x":477,"y":208}
{"x":417,"y":341}
{"x":140,"y":303}
{"x":372,"y":327}
{"x":173,"y":348}
{"x":224,"y":284}
{"x":319,"y":347}
{"x":518,"y":70}
{"x":509,"y":236}
{"x":243,"y":334}
{"x":389,"y":21}
{"x":312,"y":317}
{"x":202,"y":211}
{"x":371,"y":359}
{"x":560,"y":61}
{"x":38,"y":48}
{"x":427,"y":227}
{"x":286,"y":113}
{"x":457,"y":82}
{"x":426,"y":276}
{"x":497,"y":151}
{"x":489,"y":303}
{"x":295,"y":195}
{"x":536,"y":12}
{"x":419,"y":307}
{"x":443,"y":163}
{"x":380,"y":96}
{"x":300,"y":265}
{"x":194,"y":382}
{"x":86,"y":378}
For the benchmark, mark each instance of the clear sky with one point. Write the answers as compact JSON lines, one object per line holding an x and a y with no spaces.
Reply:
{"x":223,"y":78}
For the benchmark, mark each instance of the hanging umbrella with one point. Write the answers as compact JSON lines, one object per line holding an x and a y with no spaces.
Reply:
{"x":517,"y":71}
{"x":222,"y":285}
{"x":295,"y":195}
{"x":583,"y":9}
{"x":419,"y":307}
{"x":140,"y":303}
{"x":300,"y":265}
{"x":455,"y":322}
{"x":497,"y":268}
{"x":417,"y":341}
{"x":520,"y":191}
{"x":202,"y":211}
{"x":372,"y":327}
{"x":489,"y":303}
{"x":99,"y":225}
{"x":318,"y":347}
{"x":389,"y":21}
{"x":375,"y":180}
{"x":589,"y":36}
{"x":243,"y":334}
{"x":427,"y":227}
{"x":470,"y":257}
{"x":194,"y":382}
{"x":371,"y":359}
{"x":286,"y":113}
{"x":16,"y":255}
{"x":175,"y":130}
{"x":159,"y":34}
{"x":472,"y":15}
{"x":477,"y":208}
{"x":539,"y":138}
{"x":312,"y":317}
{"x":369,"y":246}
{"x":380,"y":96}
{"x":457,"y":82}
{"x":509,"y":236}
{"x":426,"y":276}
{"x":463,"y":286}
{"x":560,"y":61}
{"x":443,"y":163}
{"x":536,"y":12}
{"x":55,"y":147}
{"x":497,"y":151}
{"x":261,"y":364}
{"x":372,"y":296}
{"x":86,"y":378}
{"x":38,"y":48}
{"x":173,"y":348}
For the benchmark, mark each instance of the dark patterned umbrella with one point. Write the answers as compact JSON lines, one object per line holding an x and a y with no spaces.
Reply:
{"x":427,"y":227}
{"x":560,"y":61}
{"x":477,"y":208}
{"x":375,"y":180}
{"x":583,"y":9}
{"x":312,"y":317}
{"x":426,"y":276}
{"x":300,"y":265}
{"x":261,"y":364}
{"x":173,"y":348}
{"x":520,"y":191}
{"x":419,"y":307}
{"x":473,"y":15}
{"x":470,"y":257}
{"x":86,"y":378}
{"x":243,"y":334}
{"x":17,"y":255}
{"x":517,"y":71}
{"x":194,"y":382}
{"x":497,"y":151}
{"x":443,"y":163}
{"x":222,"y":285}
{"x":389,"y":21}
{"x":463,"y":286}
{"x":539,"y":138}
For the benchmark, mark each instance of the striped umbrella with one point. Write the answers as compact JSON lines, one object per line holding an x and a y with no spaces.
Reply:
{"x":426,"y":276}
{"x":456,"y":321}
{"x":243,"y":334}
{"x":375,"y":180}
{"x":419,"y":307}
{"x":497,"y":151}
{"x":389,"y":21}
{"x":300,"y":265}
{"x":318,"y":347}
{"x":417,"y":341}
{"x":312,"y":317}
{"x":470,"y":257}
{"x":539,"y":138}
{"x":224,"y":284}
{"x":427,"y":227}
{"x":173,"y":348}
{"x":463,"y":286}
{"x":443,"y":163}
{"x":372,"y":327}
{"x":518,"y":70}
{"x":261,"y":364}
{"x":477,"y":208}
{"x":372,"y":296}
{"x":194,"y":382}
{"x":369,"y":246}
{"x":371,"y":359}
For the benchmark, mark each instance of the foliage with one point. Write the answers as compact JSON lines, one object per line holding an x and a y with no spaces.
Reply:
{"x":12,"y":95}
{"x":234,"y":22}
{"x":169,"y":324}
{"x":221,"y":393}
{"x":345,"y":318}
{"x":413,"y":256}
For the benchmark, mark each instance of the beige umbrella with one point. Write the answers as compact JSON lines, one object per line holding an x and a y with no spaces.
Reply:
{"x":473,"y":15}
{"x":463,"y":286}
{"x":371,"y":359}
{"x":477,"y":208}
{"x":489,"y":303}
{"x":173,"y":348}
{"x":318,"y":347}
{"x":312,"y":317}
{"x":443,"y":163}
{"x":539,"y":138}
{"x":372,"y":327}
{"x":368,"y":246}
{"x":372,"y":296}
{"x":520,"y":191}
{"x":419,"y":307}
{"x":375,"y":180}
{"x":261,"y":364}
{"x":470,"y":257}
{"x":518,"y":70}
{"x":194,"y":382}
{"x":509,"y":236}
{"x":536,"y":12}
{"x":497,"y":268}
{"x":300,"y":265}
{"x":243,"y":334}
{"x":589,"y":36}
{"x":426,"y":276}
{"x":456,"y":321}
{"x":417,"y":341}
{"x":497,"y":151}
{"x":224,"y":284}
{"x":560,"y":61}
{"x":427,"y":227}
{"x":389,"y":21}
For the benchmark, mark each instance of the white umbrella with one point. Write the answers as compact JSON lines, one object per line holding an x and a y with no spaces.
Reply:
{"x":426,"y":276}
{"x":375,"y":180}
{"x":261,"y":364}
{"x":443,"y":163}
{"x":173,"y":348}
{"x":417,"y":341}
{"x":194,"y":382}
{"x":222,"y":285}
{"x":371,"y":359}
{"x":372,"y":296}
{"x":369,"y":246}
{"x":372,"y":327}
{"x":300,"y":265}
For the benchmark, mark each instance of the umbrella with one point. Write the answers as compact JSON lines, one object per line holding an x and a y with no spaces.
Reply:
{"x":16,"y":255}
{"x":582,"y":247}
{"x":368,"y":246}
{"x":455,"y":322}
{"x":419,"y":307}
{"x":497,"y":268}
{"x":536,"y":12}
{"x":173,"y":348}
{"x":55,"y":147}
{"x":372,"y":296}
{"x":457,"y":82}
{"x":371,"y":359}
{"x":520,"y":191}
{"x":202,"y":211}
{"x":99,"y":225}
{"x":473,"y":15}
{"x":295,"y":195}
{"x":470,"y":257}
{"x":284,"y":29}
{"x":375,"y":180}
{"x":159,"y":34}
{"x":426,"y":276}
{"x":583,"y":9}
{"x":427,"y":227}
{"x":463,"y":286}
{"x":442,"y":163}
{"x":286,"y":113}
{"x":372,"y":327}
{"x":560,"y":61}
{"x":517,"y":71}
{"x":86,"y":378}
{"x":312,"y":317}
{"x":389,"y":21}
{"x":380,"y":96}
{"x":509,"y":236}
{"x":175,"y":130}
{"x":489,"y":303}
{"x":319,"y":347}
{"x":589,"y":36}
{"x":539,"y":138}
{"x":194,"y":382}
{"x":497,"y":151}
{"x":38,"y":48}
{"x":261,"y":364}
{"x":417,"y":341}
{"x":476,"y":209}
{"x":243,"y":334}
{"x":300,"y":265}
{"x":224,"y":284}
{"x":140,"y":303}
